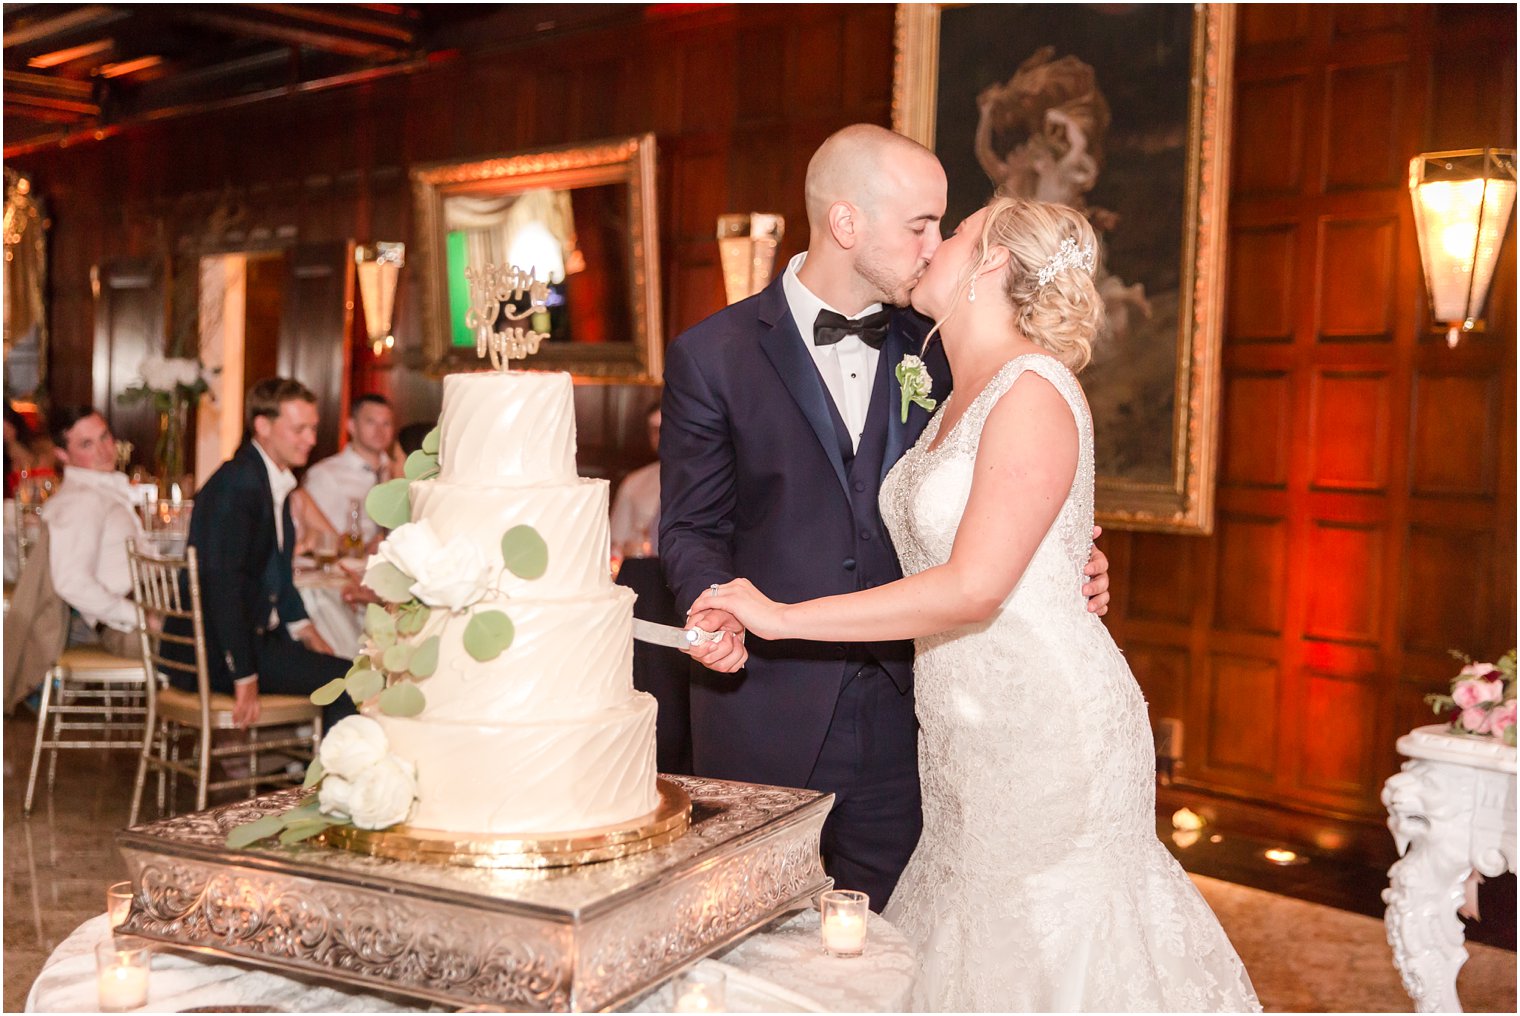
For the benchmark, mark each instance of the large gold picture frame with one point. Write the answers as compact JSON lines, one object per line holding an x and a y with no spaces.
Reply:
{"x":1155,"y":396}
{"x":611,"y":185}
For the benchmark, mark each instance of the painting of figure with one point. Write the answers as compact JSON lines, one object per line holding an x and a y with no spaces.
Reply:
{"x":1104,"y":108}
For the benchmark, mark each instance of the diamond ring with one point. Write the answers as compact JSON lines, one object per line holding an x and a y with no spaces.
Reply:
{"x":713,"y":588}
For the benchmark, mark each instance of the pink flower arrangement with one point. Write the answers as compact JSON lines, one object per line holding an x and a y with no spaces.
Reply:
{"x":1482,"y":699}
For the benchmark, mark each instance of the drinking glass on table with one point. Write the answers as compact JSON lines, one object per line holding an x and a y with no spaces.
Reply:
{"x":324,"y":550}
{"x":167,"y":526}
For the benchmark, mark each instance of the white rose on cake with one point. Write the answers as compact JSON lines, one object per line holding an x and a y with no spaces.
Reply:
{"x":452,"y":575}
{"x":351,"y":747}
{"x":382,"y":795}
{"x":334,"y":796}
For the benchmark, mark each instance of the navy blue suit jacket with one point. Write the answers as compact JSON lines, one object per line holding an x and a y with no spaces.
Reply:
{"x":758,"y":479}
{"x":244,"y":572}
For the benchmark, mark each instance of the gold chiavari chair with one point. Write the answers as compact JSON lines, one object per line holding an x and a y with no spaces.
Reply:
{"x":168,"y":589}
{"x":90,"y":699}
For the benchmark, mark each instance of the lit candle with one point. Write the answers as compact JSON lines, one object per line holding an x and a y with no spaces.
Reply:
{"x":701,"y":989}
{"x":122,"y":975}
{"x":844,"y":934}
{"x":174,"y":496}
{"x":123,"y":987}
{"x":844,"y":922}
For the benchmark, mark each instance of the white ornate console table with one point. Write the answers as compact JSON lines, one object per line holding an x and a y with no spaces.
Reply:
{"x":1452,"y":812}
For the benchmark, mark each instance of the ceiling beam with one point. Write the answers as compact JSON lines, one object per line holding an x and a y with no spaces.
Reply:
{"x":43,"y":92}
{"x":347,"y":34}
{"x":48,"y":29}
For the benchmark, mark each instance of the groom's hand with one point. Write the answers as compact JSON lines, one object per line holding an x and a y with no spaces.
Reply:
{"x":728,"y":654}
{"x":1096,"y":589}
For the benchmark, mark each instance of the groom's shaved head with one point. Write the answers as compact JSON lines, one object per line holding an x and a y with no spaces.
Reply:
{"x":856,"y":164}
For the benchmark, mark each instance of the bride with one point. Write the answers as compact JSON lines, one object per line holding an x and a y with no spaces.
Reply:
{"x":1039,"y":883}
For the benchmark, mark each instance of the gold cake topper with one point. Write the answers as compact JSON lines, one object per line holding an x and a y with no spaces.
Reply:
{"x":510,"y":292}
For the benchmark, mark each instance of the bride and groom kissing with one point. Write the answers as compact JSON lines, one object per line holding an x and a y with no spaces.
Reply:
{"x":994,"y":776}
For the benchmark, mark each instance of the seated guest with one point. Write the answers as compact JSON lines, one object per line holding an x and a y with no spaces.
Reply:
{"x":258,"y":637}
{"x":340,"y":482}
{"x":90,"y":519}
{"x":661,"y":671}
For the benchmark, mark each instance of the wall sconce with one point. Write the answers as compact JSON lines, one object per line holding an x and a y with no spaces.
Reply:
{"x":1462,"y":203}
{"x":378,"y":265}
{"x":747,"y":245}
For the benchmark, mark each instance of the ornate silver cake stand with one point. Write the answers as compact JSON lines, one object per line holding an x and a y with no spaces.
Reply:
{"x":552,"y":939}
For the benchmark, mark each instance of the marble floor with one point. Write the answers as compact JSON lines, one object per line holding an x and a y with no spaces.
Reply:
{"x":1303,"y":956}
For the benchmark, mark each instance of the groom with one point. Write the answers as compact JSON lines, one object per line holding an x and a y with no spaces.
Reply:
{"x":782,"y":417}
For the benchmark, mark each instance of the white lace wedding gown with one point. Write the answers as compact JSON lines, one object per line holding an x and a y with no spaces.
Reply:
{"x":1039,"y":883}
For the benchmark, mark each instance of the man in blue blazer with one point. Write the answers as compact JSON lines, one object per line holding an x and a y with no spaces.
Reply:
{"x":258,"y":637}
{"x":782,"y":416}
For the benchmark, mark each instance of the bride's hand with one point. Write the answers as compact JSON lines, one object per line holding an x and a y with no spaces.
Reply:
{"x":755,"y":611}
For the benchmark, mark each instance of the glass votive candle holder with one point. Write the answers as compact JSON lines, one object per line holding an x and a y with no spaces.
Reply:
{"x":121,"y":973}
{"x":118,"y":903}
{"x":700,"y":989}
{"x":843,"y":913}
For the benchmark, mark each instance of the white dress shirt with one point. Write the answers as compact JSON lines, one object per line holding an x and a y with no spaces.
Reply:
{"x":281,"y":483}
{"x":636,"y":513}
{"x":90,"y":519}
{"x":848,"y":366}
{"x":339,"y":480}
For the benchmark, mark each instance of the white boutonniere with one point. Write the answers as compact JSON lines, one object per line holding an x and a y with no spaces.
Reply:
{"x":913,"y":377}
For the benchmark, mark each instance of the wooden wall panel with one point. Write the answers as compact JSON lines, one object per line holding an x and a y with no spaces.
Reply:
{"x":1272,"y":109}
{"x":1257,"y":406}
{"x":1357,"y":262}
{"x":1351,"y":415}
{"x":1261,"y":269}
{"x":1253,"y":552}
{"x":1364,"y":127}
{"x":1453,"y":435}
{"x":1344,"y":601}
{"x":1339,"y":723}
{"x":1159,"y":583}
{"x":1446,"y":589}
{"x":1241,"y":739}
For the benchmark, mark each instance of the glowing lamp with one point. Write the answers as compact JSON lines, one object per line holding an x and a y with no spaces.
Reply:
{"x":1462,"y":204}
{"x":379,"y":266}
{"x":747,"y":245}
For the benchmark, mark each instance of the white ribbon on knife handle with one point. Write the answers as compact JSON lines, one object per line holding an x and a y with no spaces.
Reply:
{"x":670,"y":635}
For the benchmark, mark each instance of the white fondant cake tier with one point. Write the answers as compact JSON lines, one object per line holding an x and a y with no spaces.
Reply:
{"x":568,"y":658}
{"x":535,"y":776}
{"x":570,"y":516}
{"x":513,"y":427}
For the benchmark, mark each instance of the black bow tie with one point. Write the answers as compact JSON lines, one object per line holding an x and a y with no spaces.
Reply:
{"x":831,"y":327}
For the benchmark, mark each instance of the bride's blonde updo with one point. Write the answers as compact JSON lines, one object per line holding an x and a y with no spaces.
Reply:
{"x":1064,"y":314}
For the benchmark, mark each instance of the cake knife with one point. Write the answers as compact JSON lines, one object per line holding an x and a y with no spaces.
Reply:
{"x":670,"y":635}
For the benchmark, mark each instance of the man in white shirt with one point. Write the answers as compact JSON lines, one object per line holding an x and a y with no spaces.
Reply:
{"x":90,"y":519}
{"x":339,"y":481}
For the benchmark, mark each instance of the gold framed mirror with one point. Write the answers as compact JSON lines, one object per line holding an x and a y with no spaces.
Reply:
{"x":583,"y":217}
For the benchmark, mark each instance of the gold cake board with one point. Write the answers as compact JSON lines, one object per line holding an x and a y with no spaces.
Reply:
{"x":581,"y":937}
{"x":669,"y":820}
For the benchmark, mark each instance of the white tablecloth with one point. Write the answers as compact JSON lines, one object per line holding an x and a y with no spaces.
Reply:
{"x":780,"y":968}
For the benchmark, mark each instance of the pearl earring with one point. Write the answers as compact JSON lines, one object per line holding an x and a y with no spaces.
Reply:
{"x":971,"y":296}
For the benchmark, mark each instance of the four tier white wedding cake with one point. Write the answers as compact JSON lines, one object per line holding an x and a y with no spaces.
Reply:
{"x":550,"y":735}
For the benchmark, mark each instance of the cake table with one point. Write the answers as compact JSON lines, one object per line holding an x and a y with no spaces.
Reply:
{"x":779,"y":968}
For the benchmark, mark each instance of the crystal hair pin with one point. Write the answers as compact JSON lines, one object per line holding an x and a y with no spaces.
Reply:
{"x":1069,"y":256}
